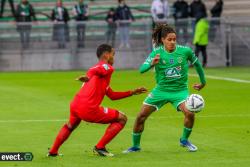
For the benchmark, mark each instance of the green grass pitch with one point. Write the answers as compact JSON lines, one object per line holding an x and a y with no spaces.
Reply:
{"x":34,"y":105}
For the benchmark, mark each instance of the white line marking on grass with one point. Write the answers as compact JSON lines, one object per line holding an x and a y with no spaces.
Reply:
{"x":32,"y":120}
{"x":223,"y":78}
{"x":155,"y":117}
{"x":205,"y":116}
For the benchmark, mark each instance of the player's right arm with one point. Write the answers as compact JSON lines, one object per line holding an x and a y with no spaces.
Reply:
{"x":151,"y":61}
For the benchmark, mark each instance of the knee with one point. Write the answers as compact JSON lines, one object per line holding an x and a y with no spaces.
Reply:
{"x":141,"y":118}
{"x":123,"y":119}
{"x":70,"y":127}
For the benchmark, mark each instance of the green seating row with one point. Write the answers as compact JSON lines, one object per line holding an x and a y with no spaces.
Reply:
{"x":92,"y":8}
{"x":15,"y":36}
{"x":96,"y":17}
{"x":89,"y":26}
{"x":49,"y":1}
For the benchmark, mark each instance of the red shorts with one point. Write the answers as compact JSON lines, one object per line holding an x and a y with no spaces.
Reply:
{"x":100,"y":115}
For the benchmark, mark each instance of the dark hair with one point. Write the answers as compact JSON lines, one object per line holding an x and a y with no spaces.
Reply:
{"x":161,"y":31}
{"x":102,"y":49}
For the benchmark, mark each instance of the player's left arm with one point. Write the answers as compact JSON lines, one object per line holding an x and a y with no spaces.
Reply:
{"x":120,"y":95}
{"x":201,"y":74}
{"x":196,"y":63}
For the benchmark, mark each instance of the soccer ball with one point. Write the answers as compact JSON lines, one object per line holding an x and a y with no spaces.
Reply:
{"x":194,"y":103}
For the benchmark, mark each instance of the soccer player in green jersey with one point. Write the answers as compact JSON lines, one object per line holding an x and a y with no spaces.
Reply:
{"x":171,"y":73}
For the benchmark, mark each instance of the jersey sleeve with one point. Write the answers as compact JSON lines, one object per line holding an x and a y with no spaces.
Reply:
{"x":200,"y":72}
{"x":191,"y":56}
{"x":100,"y":70}
{"x":147,"y":63}
{"x":195,"y":61}
{"x":117,"y":95}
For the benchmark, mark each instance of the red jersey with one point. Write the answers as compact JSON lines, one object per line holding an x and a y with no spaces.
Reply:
{"x":92,"y":92}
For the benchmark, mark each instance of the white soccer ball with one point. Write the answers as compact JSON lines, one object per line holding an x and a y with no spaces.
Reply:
{"x":195,"y":103}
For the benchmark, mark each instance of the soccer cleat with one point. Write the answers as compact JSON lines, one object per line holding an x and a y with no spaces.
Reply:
{"x":102,"y":152}
{"x":54,"y":155}
{"x":132,"y":149}
{"x":189,"y":145}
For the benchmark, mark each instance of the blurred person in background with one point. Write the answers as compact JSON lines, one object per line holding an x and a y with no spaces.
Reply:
{"x":25,"y":14}
{"x":12,"y":6}
{"x":159,"y":11}
{"x":201,"y":37}
{"x":124,"y":18}
{"x":60,"y":17}
{"x":217,"y":8}
{"x":197,"y":8}
{"x":81,"y":13}
{"x":216,"y":12}
{"x":111,"y":31}
{"x":181,"y":20}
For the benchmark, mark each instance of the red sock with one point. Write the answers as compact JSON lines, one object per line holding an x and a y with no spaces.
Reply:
{"x":112,"y":130}
{"x":60,"y":139}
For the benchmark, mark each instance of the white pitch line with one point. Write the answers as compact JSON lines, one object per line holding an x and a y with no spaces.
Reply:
{"x":223,"y":78}
{"x":205,"y":116}
{"x":155,"y":117}
{"x":32,"y":120}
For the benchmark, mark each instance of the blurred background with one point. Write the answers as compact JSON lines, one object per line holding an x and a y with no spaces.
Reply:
{"x":39,"y":35}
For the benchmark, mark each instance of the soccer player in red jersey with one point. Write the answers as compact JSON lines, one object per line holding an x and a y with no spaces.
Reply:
{"x":86,"y":104}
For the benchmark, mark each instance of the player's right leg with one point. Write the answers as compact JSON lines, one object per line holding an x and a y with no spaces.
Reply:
{"x":154,"y":101}
{"x":146,"y":111}
{"x":63,"y":134}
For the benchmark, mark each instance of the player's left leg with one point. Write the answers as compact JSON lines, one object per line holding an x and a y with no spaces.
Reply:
{"x":189,"y":118}
{"x":178,"y":100}
{"x":64,"y":133}
{"x":117,"y":121}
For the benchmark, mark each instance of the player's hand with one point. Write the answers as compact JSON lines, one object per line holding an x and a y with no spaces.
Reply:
{"x":198,"y":86}
{"x":138,"y":91}
{"x":82,"y":79}
{"x":155,"y":60}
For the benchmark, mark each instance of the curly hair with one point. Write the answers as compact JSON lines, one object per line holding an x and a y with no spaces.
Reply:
{"x":161,"y":31}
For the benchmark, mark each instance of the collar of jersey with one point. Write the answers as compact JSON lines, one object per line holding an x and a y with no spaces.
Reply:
{"x":169,"y":52}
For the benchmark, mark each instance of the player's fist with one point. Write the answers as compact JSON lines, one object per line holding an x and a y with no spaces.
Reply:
{"x":82,"y":79}
{"x":156,"y":60}
{"x":138,"y":91}
{"x":198,"y":86}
